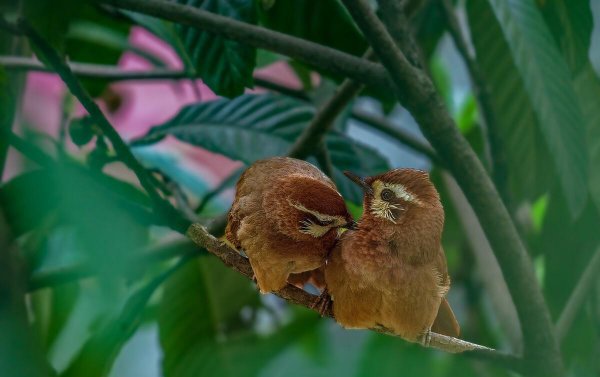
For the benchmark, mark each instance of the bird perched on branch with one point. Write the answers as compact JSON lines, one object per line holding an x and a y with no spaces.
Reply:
{"x":391,"y":272}
{"x":286,"y":217}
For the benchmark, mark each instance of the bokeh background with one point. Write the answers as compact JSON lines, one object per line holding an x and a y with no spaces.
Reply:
{"x":127,"y":317}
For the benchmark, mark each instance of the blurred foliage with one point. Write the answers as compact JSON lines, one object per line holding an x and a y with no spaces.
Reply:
{"x":77,"y":211}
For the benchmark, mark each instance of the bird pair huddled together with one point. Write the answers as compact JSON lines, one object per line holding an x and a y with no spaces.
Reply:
{"x":387,"y":272}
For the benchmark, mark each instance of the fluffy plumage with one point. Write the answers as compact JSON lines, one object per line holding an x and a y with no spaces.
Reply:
{"x":285,"y":217}
{"x":391,"y":272}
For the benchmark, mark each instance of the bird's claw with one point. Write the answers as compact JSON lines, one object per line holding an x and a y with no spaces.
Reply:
{"x":322,"y":304}
{"x":425,"y":339}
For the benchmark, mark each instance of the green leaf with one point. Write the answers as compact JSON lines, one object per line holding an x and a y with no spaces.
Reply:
{"x":322,"y":21}
{"x":98,"y":354}
{"x":252,"y":127}
{"x":206,"y":324}
{"x":200,"y":307}
{"x":517,"y":136}
{"x":226,"y":66}
{"x":547,"y":81}
{"x":96,"y":37}
{"x":109,"y":217}
{"x":571,"y":24}
{"x":163,"y":30}
{"x":51,"y":18}
{"x":52,"y":309}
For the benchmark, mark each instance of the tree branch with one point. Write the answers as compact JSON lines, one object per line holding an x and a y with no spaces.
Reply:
{"x":201,"y":237}
{"x":312,"y":136}
{"x":146,"y":180}
{"x":326,"y":58}
{"x":480,"y":88}
{"x":581,"y":291}
{"x":419,"y":96}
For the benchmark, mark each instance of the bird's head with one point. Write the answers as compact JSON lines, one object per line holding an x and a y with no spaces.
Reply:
{"x":398,"y":197}
{"x":309,"y":208}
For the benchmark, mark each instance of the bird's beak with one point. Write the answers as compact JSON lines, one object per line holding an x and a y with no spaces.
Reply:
{"x":351,"y":225}
{"x":359,"y":181}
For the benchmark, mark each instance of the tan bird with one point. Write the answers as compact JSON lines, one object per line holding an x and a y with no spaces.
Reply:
{"x":286,"y":217}
{"x":391,"y":272}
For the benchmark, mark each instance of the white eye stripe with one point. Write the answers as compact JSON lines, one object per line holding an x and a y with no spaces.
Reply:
{"x":334,"y":220}
{"x":399,"y":190}
{"x":315,"y":230}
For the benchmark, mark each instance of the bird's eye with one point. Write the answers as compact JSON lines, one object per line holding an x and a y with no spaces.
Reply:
{"x":387,"y":195}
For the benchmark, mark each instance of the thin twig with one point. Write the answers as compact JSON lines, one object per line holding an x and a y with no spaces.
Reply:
{"x":146,"y":180}
{"x":26,"y":149}
{"x":326,"y":58}
{"x":417,"y":93}
{"x":313,"y":134}
{"x":581,"y":291}
{"x":279,"y":88}
{"x":95,"y":71}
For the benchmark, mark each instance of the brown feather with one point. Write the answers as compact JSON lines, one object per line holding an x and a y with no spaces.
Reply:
{"x":275,"y":199}
{"x":391,"y":273}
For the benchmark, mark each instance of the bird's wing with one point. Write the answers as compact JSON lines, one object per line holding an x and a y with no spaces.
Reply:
{"x":445,"y":323}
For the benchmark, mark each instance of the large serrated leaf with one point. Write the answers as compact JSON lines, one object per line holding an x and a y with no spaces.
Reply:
{"x":529,"y":174}
{"x":547,"y":81}
{"x":571,"y":23}
{"x":322,"y":21}
{"x":252,"y":127}
{"x":226,"y":66}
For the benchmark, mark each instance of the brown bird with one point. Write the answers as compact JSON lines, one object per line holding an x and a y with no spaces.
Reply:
{"x":391,"y":272}
{"x":286,"y":217}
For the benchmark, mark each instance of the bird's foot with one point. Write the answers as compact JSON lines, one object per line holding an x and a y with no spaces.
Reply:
{"x":322,"y":304}
{"x":425,"y":338}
